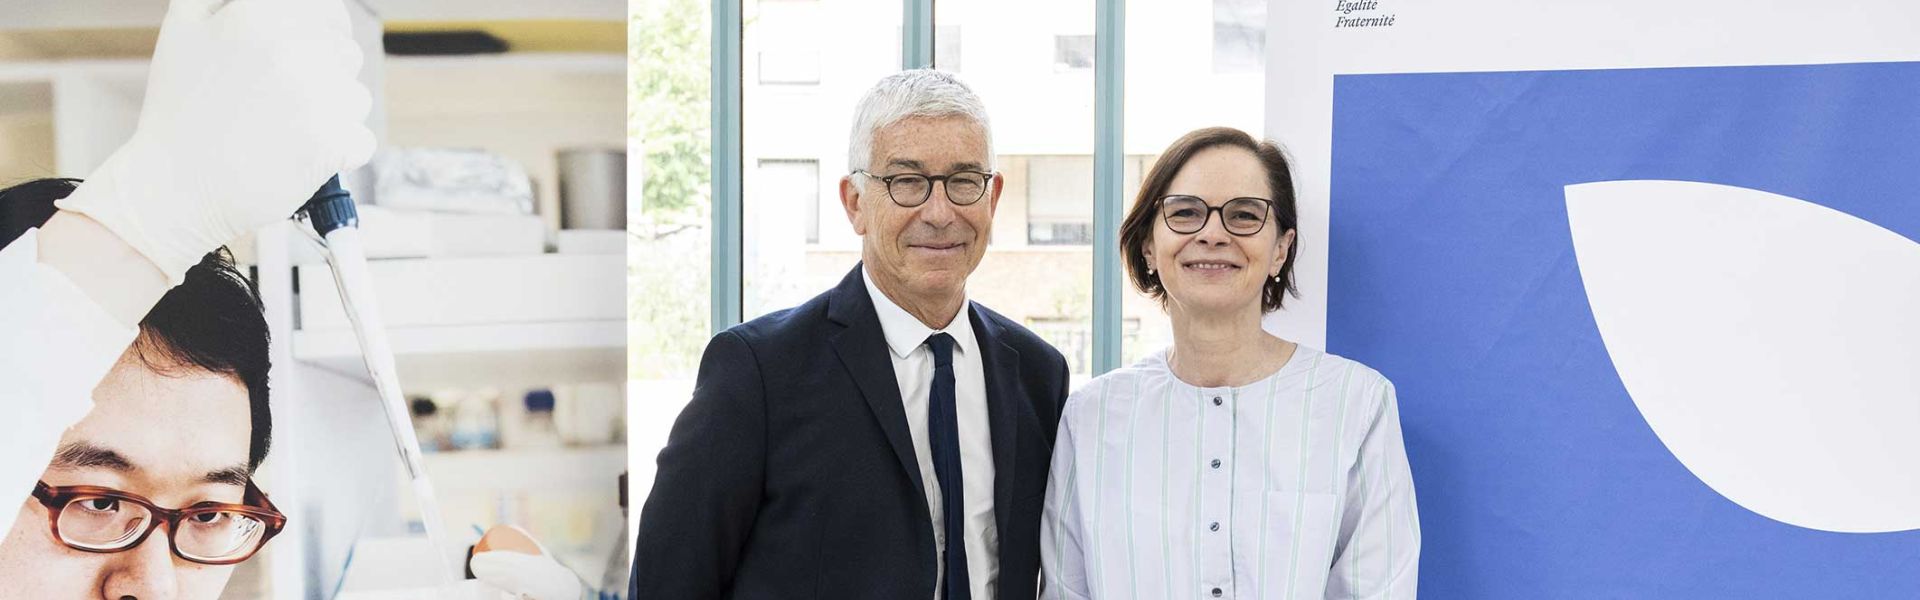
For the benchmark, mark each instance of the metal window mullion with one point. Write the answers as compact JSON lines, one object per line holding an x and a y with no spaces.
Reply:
{"x":1109,"y":69}
{"x":727,"y":172}
{"x":916,"y":34}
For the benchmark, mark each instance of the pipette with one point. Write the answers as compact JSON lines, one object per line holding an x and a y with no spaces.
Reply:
{"x":337,"y":225}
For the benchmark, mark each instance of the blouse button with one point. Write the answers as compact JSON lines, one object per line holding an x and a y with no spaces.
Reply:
{"x":1216,"y":592}
{"x":1216,"y":463}
{"x":1216,"y":400}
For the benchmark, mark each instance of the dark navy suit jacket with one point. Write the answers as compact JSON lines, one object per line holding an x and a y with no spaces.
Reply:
{"x":791,"y":473}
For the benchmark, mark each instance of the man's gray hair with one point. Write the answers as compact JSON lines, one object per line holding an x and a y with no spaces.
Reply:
{"x":909,"y":94}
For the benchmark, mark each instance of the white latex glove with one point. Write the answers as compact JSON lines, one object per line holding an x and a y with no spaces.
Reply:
{"x":250,"y":106}
{"x":531,"y":577}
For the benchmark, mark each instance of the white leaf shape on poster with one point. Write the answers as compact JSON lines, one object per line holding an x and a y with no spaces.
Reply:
{"x":1771,"y":343}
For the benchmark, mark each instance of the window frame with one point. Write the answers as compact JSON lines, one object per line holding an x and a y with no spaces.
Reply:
{"x":917,"y":50}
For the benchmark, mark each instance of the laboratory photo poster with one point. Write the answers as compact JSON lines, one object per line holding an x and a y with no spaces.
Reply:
{"x":1644,"y":274}
{"x":312,"y":299}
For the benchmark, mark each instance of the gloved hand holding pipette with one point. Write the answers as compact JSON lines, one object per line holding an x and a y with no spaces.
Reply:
{"x":250,"y":106}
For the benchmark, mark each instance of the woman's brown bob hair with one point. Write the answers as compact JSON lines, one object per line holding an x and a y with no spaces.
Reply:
{"x":1137,"y":230}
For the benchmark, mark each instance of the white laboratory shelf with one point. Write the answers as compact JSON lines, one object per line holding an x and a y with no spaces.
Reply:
{"x":510,"y":321}
{"x":92,"y":105}
{"x":565,"y":468}
{"x":530,"y":288}
{"x":464,"y":356}
{"x":49,"y":70}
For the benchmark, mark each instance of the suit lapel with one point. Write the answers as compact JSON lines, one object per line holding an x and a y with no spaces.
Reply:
{"x":862,"y":349}
{"x":1005,"y":411}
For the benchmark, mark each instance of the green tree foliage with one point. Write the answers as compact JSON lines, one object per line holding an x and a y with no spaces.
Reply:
{"x":668,"y":246}
{"x":667,"y":316}
{"x":669,"y":52}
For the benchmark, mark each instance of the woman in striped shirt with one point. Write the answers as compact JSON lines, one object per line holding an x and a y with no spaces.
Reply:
{"x":1233,"y":464}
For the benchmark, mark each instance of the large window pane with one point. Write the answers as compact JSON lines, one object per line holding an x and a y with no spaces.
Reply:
{"x":793,"y":183}
{"x":1189,"y":65}
{"x":669,"y":249}
{"x":1059,"y":202}
{"x":1035,"y":75}
{"x":797,"y":240}
{"x":947,"y":49}
{"x":1072,"y":52}
{"x":788,"y":41}
{"x":1239,"y":36}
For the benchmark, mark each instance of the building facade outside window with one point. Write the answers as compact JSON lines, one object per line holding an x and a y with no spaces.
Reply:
{"x":946,"y":48}
{"x":787,"y":184}
{"x":1072,"y":52}
{"x":787,"y":33}
{"x":1239,"y":36}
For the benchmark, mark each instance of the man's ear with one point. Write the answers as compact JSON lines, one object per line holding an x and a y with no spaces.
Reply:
{"x":993,"y":194}
{"x":850,"y":201}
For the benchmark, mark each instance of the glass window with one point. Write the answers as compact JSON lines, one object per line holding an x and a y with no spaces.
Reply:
{"x":946,"y":48}
{"x":1180,"y":99}
{"x":1060,"y":197}
{"x":792,"y":66}
{"x":1059,"y":200}
{"x":1239,"y":35}
{"x":1074,"y":339}
{"x":1072,"y":52}
{"x":797,"y":135}
{"x":669,"y":249}
{"x":1043,"y":144}
{"x":792,"y":185}
{"x":787,"y":37}
{"x":796,"y":240}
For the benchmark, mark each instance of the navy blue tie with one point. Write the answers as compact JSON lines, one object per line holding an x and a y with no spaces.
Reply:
{"x":943,"y":433}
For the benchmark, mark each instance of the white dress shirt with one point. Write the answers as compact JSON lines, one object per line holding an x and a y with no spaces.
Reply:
{"x":59,"y":345}
{"x":1294,"y":486}
{"x":913,"y":369}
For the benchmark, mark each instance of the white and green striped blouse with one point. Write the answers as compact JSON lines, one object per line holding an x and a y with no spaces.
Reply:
{"x":1294,"y":486}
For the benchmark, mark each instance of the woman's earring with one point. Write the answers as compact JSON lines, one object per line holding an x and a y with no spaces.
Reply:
{"x":1276,"y":278}
{"x":1149,"y":270}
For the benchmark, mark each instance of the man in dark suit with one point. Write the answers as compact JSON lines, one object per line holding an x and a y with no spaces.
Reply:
{"x":888,"y":439}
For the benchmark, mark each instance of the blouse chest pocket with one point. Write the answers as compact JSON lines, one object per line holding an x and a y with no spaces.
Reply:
{"x":1300,"y":532}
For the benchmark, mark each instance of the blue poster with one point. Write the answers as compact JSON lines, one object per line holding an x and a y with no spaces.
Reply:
{"x":1452,"y":270}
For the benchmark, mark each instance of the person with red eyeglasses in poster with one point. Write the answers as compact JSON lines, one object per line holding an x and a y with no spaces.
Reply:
{"x":133,"y":377}
{"x":136,"y":355}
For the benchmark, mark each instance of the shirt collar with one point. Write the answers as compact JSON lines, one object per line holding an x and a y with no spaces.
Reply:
{"x":905,"y":332}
